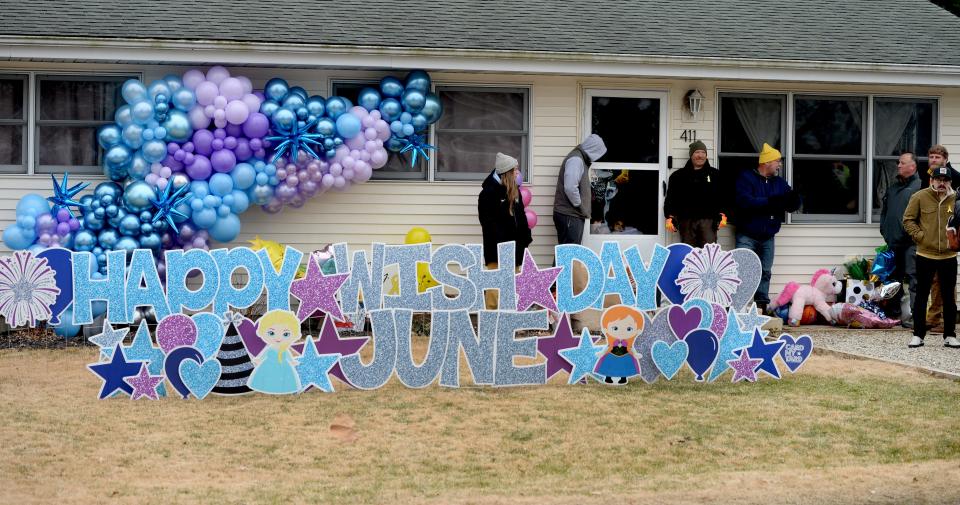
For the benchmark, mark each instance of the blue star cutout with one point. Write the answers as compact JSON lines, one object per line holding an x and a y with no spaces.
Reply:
{"x":108,"y":339}
{"x":63,"y":196}
{"x":583,"y":357}
{"x":418,"y":144}
{"x":762,"y":350}
{"x":293,"y":140}
{"x":142,"y":349}
{"x":114,"y":372}
{"x":313,"y":367}
{"x":734,"y":338}
{"x":166,"y":205}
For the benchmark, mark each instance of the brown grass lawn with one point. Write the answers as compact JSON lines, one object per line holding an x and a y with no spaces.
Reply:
{"x":840,"y":431}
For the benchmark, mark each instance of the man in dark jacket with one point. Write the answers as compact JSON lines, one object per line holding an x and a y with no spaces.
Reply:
{"x":693,"y":199}
{"x":572,"y":199}
{"x":500,"y":210}
{"x":891,"y":227}
{"x":762,"y":197}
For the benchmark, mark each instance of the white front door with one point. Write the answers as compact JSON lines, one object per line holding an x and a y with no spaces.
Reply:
{"x":628,"y":181}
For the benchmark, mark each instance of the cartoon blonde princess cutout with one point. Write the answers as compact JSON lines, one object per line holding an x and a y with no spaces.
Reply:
{"x":621,"y":324}
{"x":275,"y":371}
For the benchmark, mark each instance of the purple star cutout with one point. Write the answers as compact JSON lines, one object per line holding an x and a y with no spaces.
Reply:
{"x":533,"y":284}
{"x":551,"y":346}
{"x":330,"y":342}
{"x":144,"y":384}
{"x":744,"y":368}
{"x":316,"y":291}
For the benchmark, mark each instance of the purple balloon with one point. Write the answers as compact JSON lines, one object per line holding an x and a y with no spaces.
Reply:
{"x":273,"y":206}
{"x":63,"y":229}
{"x":297,"y":201}
{"x":223,"y":160}
{"x":328,"y":180}
{"x":203,"y":142}
{"x":234,"y":130}
{"x":309,"y":188}
{"x":257,"y":125}
{"x":207,"y":92}
{"x":284,"y":192}
{"x":237,"y":112}
{"x":200,"y":169}
{"x":243,"y":151}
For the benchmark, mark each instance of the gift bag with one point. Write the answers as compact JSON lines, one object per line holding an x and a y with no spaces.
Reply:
{"x":858,"y":290}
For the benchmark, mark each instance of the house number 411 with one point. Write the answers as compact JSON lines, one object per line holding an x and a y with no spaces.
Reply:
{"x":688,"y":135}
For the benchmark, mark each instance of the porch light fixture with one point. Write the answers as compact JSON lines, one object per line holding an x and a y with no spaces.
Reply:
{"x":694,"y":102}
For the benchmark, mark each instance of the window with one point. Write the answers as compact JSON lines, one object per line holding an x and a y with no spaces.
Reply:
{"x":900,"y":124}
{"x":476,"y":124}
{"x":13,"y":123}
{"x":828,"y":157}
{"x":398,"y":165}
{"x":70,"y":109}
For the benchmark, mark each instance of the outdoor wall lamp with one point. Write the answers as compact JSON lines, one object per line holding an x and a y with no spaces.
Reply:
{"x":694,"y":102}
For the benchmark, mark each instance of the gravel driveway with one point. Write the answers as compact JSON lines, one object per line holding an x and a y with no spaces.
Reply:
{"x":889,"y":345}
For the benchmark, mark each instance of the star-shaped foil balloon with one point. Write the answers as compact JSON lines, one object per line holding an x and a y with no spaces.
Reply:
{"x":295,"y":139}
{"x":744,"y":367}
{"x":317,"y":292}
{"x":313,"y":367}
{"x":418,"y":144}
{"x":533,"y":284}
{"x":583,"y":357}
{"x":166,"y":206}
{"x":63,"y":196}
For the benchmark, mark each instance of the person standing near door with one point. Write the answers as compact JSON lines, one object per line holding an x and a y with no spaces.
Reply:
{"x":572,"y":200}
{"x":762,"y":197}
{"x":693,"y":199}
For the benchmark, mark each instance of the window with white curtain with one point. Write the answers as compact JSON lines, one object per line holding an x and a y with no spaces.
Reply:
{"x":70,"y":109}
{"x":900,"y":124}
{"x":13,"y":123}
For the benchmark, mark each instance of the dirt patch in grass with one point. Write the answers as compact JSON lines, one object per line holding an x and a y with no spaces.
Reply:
{"x":840,"y":431}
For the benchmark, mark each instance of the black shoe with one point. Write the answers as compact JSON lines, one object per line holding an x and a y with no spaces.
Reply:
{"x":608,"y":380}
{"x":623,"y":380}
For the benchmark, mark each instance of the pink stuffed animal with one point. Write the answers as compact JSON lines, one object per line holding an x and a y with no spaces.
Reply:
{"x":823,"y":288}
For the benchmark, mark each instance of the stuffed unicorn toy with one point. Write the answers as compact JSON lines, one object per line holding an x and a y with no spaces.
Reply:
{"x":823,"y":287}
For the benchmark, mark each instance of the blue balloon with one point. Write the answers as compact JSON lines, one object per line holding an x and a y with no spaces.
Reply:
{"x":369,"y":98}
{"x":432,"y":108}
{"x":65,"y":328}
{"x":61,"y":261}
{"x":407,"y":130}
{"x":92,"y":223}
{"x":108,"y":136}
{"x":413,"y":101}
{"x":261,"y":194}
{"x":243,"y":175}
{"x":391,"y":87}
{"x":199,"y":189}
{"x":316,"y":105}
{"x":84,"y":240}
{"x":269,"y":107}
{"x":284,"y":118}
{"x":133,"y":136}
{"x":128,"y":244}
{"x":123,"y":116}
{"x":18,"y":238}
{"x":178,"y":127}
{"x":394,"y":144}
{"x":226,"y":228}
{"x":348,"y":126}
{"x":419,"y":122}
{"x":159,"y":88}
{"x":261,"y":179}
{"x":204,"y":218}
{"x":406,"y":118}
{"x":326,"y":127}
{"x":336,"y":106}
{"x":294,"y":102}
{"x":129,"y":225}
{"x":32,"y":205}
{"x":703,"y":345}
{"x":137,"y":197}
{"x":154,"y":151}
{"x":221,"y":184}
{"x":133,"y":91}
{"x":299,"y":91}
{"x":240,"y":202}
{"x":184,"y":99}
{"x":276,"y":89}
{"x":117,"y":156}
{"x":111,"y":189}
{"x":142,"y":112}
{"x":150,"y":241}
{"x":390,"y":109}
{"x":223,"y":210}
{"x":108,"y":239}
{"x":139,"y":167}
{"x":418,"y":80}
{"x":211,"y":201}
{"x":396,"y":127}
{"x":173,"y":82}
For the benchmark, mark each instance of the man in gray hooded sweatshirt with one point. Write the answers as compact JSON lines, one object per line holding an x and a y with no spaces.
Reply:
{"x":571,"y":203}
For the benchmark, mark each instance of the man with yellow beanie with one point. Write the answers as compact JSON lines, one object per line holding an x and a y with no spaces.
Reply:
{"x":762,"y":197}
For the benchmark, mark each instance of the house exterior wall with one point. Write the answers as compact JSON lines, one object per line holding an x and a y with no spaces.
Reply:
{"x":383,"y":211}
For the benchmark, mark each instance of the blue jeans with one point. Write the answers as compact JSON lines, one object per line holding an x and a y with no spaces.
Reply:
{"x":764,"y":249}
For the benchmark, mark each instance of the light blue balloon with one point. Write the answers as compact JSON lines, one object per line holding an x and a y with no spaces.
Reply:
{"x":220,"y":184}
{"x":142,"y":112}
{"x":137,"y":196}
{"x":406,"y":118}
{"x":243,"y":176}
{"x":316,"y":105}
{"x":129,"y":225}
{"x":419,"y":122}
{"x":240,"y":202}
{"x":391,"y":87}
{"x":185,"y":209}
{"x":150,"y":241}
{"x":17,"y":238}
{"x":117,"y":156}
{"x":262,"y":178}
{"x":184,"y":99}
{"x":154,"y":151}
{"x":32,"y":205}
{"x":276,"y":89}
{"x":269,"y":108}
{"x":348,"y":126}
{"x":157,"y":88}
{"x":407,"y":130}
{"x":223,"y":210}
{"x":133,"y":136}
{"x":66,"y":329}
{"x":133,"y":91}
{"x":128,"y":244}
{"x":108,"y":239}
{"x":108,"y":136}
{"x":226,"y":228}
{"x":369,"y":98}
{"x":123,"y":116}
{"x":284,"y":118}
{"x":196,"y":204}
{"x":204,"y":218}
{"x":177,"y":126}
{"x":173,"y":82}
{"x":413,"y":101}
{"x":390,"y":109}
{"x":139,"y":167}
{"x":432,"y":108}
{"x":84,"y":240}
{"x":396,"y":126}
{"x":199,"y":189}
{"x":418,"y":80}
{"x":326,"y":127}
{"x":336,"y":106}
{"x":211,"y":201}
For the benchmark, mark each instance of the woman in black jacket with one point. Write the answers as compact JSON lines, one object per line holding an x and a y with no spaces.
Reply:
{"x":501,"y":211}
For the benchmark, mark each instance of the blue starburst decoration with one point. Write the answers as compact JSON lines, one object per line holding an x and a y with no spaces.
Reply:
{"x":166,"y":206}
{"x":295,"y":139}
{"x":63,"y":196}
{"x":418,"y":144}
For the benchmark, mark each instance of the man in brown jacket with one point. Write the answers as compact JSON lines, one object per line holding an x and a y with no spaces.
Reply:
{"x":926,"y":219}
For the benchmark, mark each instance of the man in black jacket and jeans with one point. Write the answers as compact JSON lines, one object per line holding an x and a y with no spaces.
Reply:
{"x":693,"y":199}
{"x":891,"y":227}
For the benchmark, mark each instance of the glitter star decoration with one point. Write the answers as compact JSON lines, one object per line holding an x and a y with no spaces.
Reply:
{"x":294,"y":139}
{"x":736,"y":336}
{"x":166,"y":206}
{"x":114,"y":372}
{"x":766,"y":352}
{"x":144,"y":384}
{"x":317,"y":291}
{"x":533,"y":284}
{"x":63,"y":196}
{"x":28,"y":288}
{"x":314,"y":367}
{"x":583,"y":357}
{"x":752,"y":318}
{"x":417,"y":143}
{"x":108,"y":339}
{"x":551,"y":346}
{"x":330,"y":343}
{"x":142,"y":349}
{"x":744,"y":367}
